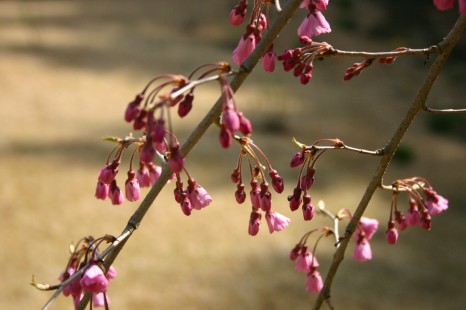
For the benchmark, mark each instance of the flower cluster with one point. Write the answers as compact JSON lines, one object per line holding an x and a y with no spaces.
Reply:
{"x":315,"y":23}
{"x":443,"y":5}
{"x":147,"y":174}
{"x":232,"y":119}
{"x":83,"y":273}
{"x":253,"y":34}
{"x":423,"y":202}
{"x":301,"y":59}
{"x":192,"y":197}
{"x":307,"y":159}
{"x":306,"y":261}
{"x":261,"y":197}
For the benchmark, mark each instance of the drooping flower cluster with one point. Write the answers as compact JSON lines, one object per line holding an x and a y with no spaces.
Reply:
{"x":307,"y":159}
{"x":423,"y":201}
{"x":84,"y":273}
{"x":315,"y":23}
{"x":301,"y":59}
{"x":149,"y":112}
{"x":232,"y":119}
{"x":194,"y":196}
{"x":253,"y":34}
{"x":260,"y":195}
{"x":306,"y":261}
{"x":443,"y":5}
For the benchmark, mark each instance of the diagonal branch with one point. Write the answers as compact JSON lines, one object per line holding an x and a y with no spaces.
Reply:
{"x":419,"y":102}
{"x":280,"y":21}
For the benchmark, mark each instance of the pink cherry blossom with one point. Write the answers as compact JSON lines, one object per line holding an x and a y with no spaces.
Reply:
{"x":368,"y":226}
{"x":245,"y":47}
{"x":230,"y":119}
{"x":98,"y":300}
{"x":304,"y":261}
{"x":74,"y":287}
{"x":268,"y":61}
{"x":314,"y":283}
{"x":176,"y":160}
{"x":276,"y":221}
{"x":313,"y":25}
{"x":94,"y":280}
{"x":143,"y":176}
{"x":132,"y":190}
{"x":435,"y":203}
{"x":362,"y":251}
{"x":199,"y":197}
{"x":244,"y":124}
{"x":111,"y":273}
{"x":224,"y":137}
{"x":391,"y":235}
{"x":108,"y":173}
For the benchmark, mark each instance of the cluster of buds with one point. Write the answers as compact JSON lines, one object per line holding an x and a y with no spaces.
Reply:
{"x":357,"y":67}
{"x":423,"y":201}
{"x":146,"y":176}
{"x":307,"y":159}
{"x":192,"y":197}
{"x":260,"y":196}
{"x":232,"y":119}
{"x":315,"y":23}
{"x":149,"y":112}
{"x":301,"y":59}
{"x":85,"y":274}
{"x":306,"y":261}
{"x":254,"y":30}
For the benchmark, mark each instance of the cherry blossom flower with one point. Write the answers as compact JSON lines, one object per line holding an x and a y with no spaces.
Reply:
{"x":276,"y":221}
{"x":368,"y":226}
{"x":435,"y":203}
{"x":362,"y":251}
{"x":391,"y":235}
{"x":94,"y":280}
{"x":198,"y":195}
{"x":101,"y":191}
{"x":98,"y":300}
{"x":305,"y":260}
{"x":132,"y":190}
{"x":313,"y":25}
{"x":314,"y":283}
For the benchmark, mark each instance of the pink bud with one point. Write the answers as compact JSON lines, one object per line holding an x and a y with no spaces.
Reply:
{"x":186,"y":206}
{"x":245,"y":47}
{"x":265,"y":198}
{"x":236,"y":175}
{"x":392,"y":233}
{"x":268,"y":61}
{"x":368,"y":226}
{"x":277,"y":181}
{"x":101,"y":191}
{"x":435,"y":203}
{"x":254,"y":194}
{"x":295,"y":199}
{"x":400,"y":220}
{"x":443,"y":5}
{"x":413,"y":217}
{"x":115,"y":194}
{"x":230,"y":119}
{"x":108,"y":173}
{"x":297,"y":160}
{"x":305,"y":260}
{"x":186,"y":105}
{"x":98,"y":300}
{"x":240,"y":194}
{"x":308,"y":211}
{"x":159,"y":131}
{"x":198,"y":195}
{"x":176,"y":160}
{"x":244,"y":125}
{"x":254,"y":222}
{"x":154,"y":173}
{"x":132,"y":110}
{"x":314,"y":283}
{"x":143,"y":176}
{"x":147,"y":152}
{"x":225,"y":138}
{"x":295,"y":252}
{"x":132,"y":190}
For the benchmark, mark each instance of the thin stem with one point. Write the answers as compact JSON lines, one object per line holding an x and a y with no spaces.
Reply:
{"x":419,"y":101}
{"x":246,"y":67}
{"x":333,"y":52}
{"x":443,"y":111}
{"x":378,"y":152}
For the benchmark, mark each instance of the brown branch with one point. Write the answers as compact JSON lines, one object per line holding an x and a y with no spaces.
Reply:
{"x":333,"y":52}
{"x":447,"y":45}
{"x":280,"y":21}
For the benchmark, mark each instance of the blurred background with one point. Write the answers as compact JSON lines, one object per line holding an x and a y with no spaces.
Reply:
{"x":67,"y":71}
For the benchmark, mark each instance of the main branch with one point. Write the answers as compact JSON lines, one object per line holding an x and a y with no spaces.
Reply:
{"x":419,"y":102}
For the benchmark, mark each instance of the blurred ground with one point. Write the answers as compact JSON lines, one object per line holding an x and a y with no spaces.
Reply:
{"x":67,"y":71}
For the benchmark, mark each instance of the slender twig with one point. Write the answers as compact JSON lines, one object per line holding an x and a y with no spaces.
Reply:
{"x":443,"y":111}
{"x":321,"y":208}
{"x":378,"y":152}
{"x":447,"y":45}
{"x":333,"y":52}
{"x":280,"y":21}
